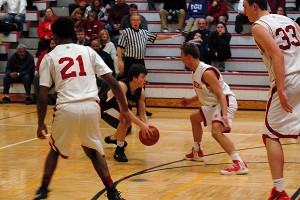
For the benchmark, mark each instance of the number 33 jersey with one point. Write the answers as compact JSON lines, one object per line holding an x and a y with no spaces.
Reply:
{"x":286,"y":35}
{"x":72,"y":68}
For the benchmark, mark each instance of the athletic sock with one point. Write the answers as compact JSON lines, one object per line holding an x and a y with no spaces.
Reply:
{"x":120,"y":144}
{"x":279,"y":184}
{"x":235,"y":156}
{"x":197,"y":146}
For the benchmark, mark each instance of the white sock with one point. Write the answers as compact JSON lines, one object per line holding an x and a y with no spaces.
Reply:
{"x":279,"y":184}
{"x":197,"y":146}
{"x":120,"y":144}
{"x":235,"y":156}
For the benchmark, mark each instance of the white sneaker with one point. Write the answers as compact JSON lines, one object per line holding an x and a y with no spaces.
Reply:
{"x":237,"y":168}
{"x":165,"y":30}
{"x":178,"y":31}
{"x":195,"y":155}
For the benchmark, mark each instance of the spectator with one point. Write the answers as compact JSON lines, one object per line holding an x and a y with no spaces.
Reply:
{"x":174,"y":10}
{"x":241,"y":18}
{"x":82,"y":4}
{"x":216,"y":12}
{"x":115,"y":17}
{"x":36,"y":80}
{"x":151,"y":4}
{"x":81,"y":38}
{"x":196,"y":9}
{"x":281,"y":11}
{"x":125,"y":23}
{"x":45,"y":30}
{"x":108,"y":4}
{"x":78,"y":18}
{"x":92,"y":27}
{"x":16,"y":11}
{"x":274,"y":4}
{"x":219,"y":46}
{"x":99,"y":11}
{"x":108,"y":47}
{"x":20,"y":68}
{"x":205,"y":54}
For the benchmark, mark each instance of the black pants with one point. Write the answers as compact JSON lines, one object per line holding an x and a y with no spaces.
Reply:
{"x":7,"y":80}
{"x":128,"y":62}
{"x":240,"y":19}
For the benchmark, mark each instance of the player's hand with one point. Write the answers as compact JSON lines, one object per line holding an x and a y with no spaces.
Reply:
{"x":125,"y":118}
{"x":39,"y":132}
{"x":226,"y":123}
{"x":146,"y":130}
{"x":285,"y":102}
{"x":184,"y":101}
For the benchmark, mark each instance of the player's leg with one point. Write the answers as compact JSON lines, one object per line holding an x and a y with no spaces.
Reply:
{"x":196,"y":154}
{"x":101,"y":168}
{"x":50,"y":166}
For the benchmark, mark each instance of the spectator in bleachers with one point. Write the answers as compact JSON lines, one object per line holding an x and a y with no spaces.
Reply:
{"x":81,"y":38}
{"x":219,"y":44}
{"x":151,"y":4}
{"x":241,"y":18}
{"x":16,"y":11}
{"x":125,"y":23}
{"x":205,"y":54}
{"x":115,"y":17}
{"x":274,"y":4}
{"x":281,"y":11}
{"x":20,"y":68}
{"x":99,"y":11}
{"x":36,"y":80}
{"x":45,"y":30}
{"x":82,"y":4}
{"x":173,"y":11}
{"x":216,"y":12}
{"x":196,"y":9}
{"x":78,"y":18}
{"x":108,"y":4}
{"x":107,"y":46}
{"x":297,"y":5}
{"x":92,"y":27}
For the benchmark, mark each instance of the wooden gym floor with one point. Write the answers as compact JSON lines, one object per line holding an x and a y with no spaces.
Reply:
{"x":156,"y":172}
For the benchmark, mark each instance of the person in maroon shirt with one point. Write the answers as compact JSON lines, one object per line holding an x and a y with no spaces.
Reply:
{"x":216,"y":12}
{"x":92,"y":27}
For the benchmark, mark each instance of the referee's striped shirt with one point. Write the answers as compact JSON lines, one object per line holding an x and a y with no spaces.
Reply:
{"x":134,"y":42}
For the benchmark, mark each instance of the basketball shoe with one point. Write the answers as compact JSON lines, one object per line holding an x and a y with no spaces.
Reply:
{"x":237,"y":168}
{"x":120,"y":155}
{"x":108,"y":140}
{"x":195,"y":155}
{"x":275,"y":195}
{"x":41,"y":194}
{"x":114,"y":194}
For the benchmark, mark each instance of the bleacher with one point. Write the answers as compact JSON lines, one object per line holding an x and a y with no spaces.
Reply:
{"x":168,"y":79}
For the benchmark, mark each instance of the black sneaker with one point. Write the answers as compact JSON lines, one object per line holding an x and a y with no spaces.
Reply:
{"x":120,"y":155}
{"x":28,"y":101}
{"x":41,"y":194}
{"x":114,"y":194}
{"x":110,"y":141}
{"x":5,"y":100}
{"x":149,"y":114}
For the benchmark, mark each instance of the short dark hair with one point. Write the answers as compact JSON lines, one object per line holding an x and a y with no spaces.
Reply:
{"x":262,"y":4}
{"x":63,"y":27}
{"x":191,"y":49}
{"x":135,"y":70}
{"x":133,"y":6}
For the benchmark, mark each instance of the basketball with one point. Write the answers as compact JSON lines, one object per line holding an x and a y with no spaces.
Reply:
{"x":150,"y":140}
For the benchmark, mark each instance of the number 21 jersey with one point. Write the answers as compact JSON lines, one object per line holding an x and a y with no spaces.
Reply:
{"x":72,"y":69}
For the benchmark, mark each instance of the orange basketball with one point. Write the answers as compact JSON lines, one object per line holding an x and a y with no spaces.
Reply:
{"x":150,"y":140}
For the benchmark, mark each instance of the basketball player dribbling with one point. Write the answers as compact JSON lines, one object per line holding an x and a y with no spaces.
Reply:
{"x":278,"y":40}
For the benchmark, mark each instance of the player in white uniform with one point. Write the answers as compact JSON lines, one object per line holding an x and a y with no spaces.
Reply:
{"x":278,"y":39}
{"x":218,"y":108}
{"x":73,"y":68}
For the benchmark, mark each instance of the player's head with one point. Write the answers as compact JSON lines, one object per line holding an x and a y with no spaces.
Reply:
{"x":136,"y":70}
{"x":189,"y":53}
{"x":62,"y":28}
{"x":262,"y":4}
{"x":253,"y":8}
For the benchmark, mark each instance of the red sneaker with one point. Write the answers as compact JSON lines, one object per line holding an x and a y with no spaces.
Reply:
{"x":195,"y":155}
{"x":237,"y":168}
{"x":275,"y":195}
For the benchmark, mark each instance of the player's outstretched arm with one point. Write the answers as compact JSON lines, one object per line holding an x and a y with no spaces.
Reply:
{"x":118,"y":93}
{"x":41,"y":111}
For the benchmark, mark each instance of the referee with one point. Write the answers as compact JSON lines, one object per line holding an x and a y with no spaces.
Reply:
{"x":132,"y":43}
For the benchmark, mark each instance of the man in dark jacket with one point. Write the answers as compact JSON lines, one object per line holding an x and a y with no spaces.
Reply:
{"x":174,"y":11}
{"x":20,"y":68}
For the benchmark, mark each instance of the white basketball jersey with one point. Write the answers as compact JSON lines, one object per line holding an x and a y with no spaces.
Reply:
{"x":285,"y":34}
{"x":205,"y":95}
{"x":72,"y":69}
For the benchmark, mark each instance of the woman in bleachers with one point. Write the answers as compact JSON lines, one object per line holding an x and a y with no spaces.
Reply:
{"x":281,"y":11}
{"x":219,"y":46}
{"x":92,"y":27}
{"x":78,"y":18}
{"x":45,"y":30}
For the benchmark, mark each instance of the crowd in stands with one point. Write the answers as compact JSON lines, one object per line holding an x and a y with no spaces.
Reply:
{"x":101,"y":22}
